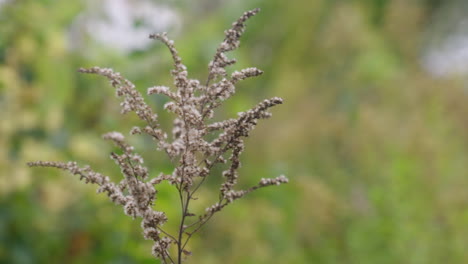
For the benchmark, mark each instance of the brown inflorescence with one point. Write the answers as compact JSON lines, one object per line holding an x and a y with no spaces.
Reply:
{"x":192,"y":149}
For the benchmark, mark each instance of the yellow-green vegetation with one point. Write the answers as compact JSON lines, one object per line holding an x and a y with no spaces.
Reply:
{"x":374,"y":146}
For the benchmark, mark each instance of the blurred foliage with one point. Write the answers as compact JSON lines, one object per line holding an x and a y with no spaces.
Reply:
{"x":375,"y":147}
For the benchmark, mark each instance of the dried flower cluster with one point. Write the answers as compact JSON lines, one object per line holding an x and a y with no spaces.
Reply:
{"x":192,"y":153}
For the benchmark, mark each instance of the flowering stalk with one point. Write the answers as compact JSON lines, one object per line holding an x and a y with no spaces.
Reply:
{"x":192,"y":154}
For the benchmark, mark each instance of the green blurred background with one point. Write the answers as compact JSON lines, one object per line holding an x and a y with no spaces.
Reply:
{"x":373,"y":133}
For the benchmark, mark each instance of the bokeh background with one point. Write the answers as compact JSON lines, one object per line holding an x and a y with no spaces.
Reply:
{"x":373,"y":133}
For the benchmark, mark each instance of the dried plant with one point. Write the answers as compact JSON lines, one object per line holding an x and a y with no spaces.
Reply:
{"x":192,"y":154}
